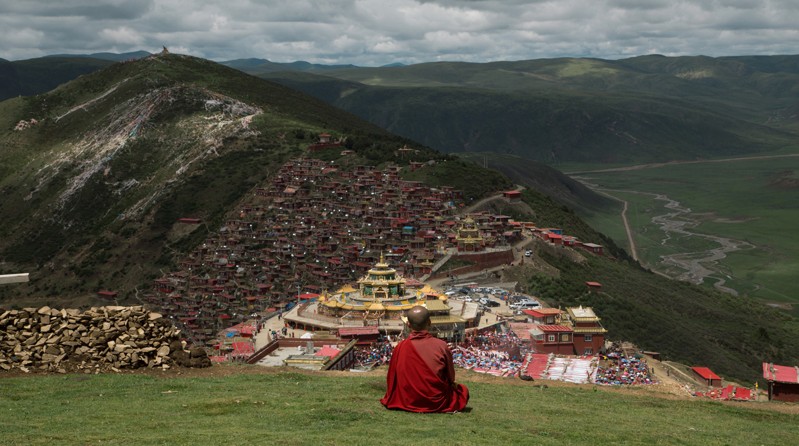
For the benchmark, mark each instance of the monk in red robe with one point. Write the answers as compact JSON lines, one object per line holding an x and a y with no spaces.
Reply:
{"x":421,"y":375}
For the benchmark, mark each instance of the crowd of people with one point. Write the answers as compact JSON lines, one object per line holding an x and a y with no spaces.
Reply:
{"x":375,"y":355}
{"x":491,"y":352}
{"x":496,"y":353}
{"x":616,"y":368}
{"x":502,"y":354}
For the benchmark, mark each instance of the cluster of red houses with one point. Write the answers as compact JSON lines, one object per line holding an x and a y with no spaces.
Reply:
{"x":315,"y":226}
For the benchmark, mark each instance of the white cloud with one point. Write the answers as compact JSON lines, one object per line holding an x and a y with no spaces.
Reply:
{"x":376,"y":32}
{"x":121,"y":36}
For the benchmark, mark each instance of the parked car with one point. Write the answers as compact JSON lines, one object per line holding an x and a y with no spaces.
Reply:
{"x":525,"y":305}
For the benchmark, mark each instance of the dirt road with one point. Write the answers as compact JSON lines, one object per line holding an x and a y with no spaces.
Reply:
{"x":697,"y":266}
{"x":674,"y":163}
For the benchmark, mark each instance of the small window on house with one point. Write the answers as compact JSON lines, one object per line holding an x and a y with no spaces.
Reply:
{"x":564,"y":337}
{"x":551,"y":338}
{"x":588,"y":351}
{"x":588,"y":338}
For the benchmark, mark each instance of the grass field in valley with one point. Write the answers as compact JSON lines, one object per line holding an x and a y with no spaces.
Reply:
{"x":243,"y":406}
{"x":752,"y":203}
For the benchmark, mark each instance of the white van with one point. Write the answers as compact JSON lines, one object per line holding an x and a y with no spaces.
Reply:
{"x":526,"y":305}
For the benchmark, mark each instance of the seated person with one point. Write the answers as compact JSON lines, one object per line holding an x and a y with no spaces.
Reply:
{"x":421,"y":375}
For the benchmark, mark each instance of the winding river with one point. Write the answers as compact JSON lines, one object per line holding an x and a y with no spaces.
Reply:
{"x":698,"y":266}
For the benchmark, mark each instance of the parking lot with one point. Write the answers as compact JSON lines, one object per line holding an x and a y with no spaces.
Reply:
{"x":493,"y":301}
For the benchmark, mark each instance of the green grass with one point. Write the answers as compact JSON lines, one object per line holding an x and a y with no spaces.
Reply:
{"x":292,"y":408}
{"x":749,"y":200}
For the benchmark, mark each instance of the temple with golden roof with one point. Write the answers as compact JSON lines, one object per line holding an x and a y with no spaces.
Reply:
{"x":468,"y":238}
{"x":379,"y":299}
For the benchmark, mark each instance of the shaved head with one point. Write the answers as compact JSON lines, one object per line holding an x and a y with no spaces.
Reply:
{"x":418,"y":318}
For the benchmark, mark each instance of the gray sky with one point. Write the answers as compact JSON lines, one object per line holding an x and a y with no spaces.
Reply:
{"x":377,"y":32}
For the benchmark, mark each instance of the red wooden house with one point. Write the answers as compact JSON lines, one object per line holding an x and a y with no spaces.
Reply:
{"x":543,"y":316}
{"x":593,"y":247}
{"x":512,"y":195}
{"x":553,"y":339}
{"x":593,"y":286}
{"x":364,"y":335}
{"x":783,"y":382}
{"x":105,"y":294}
{"x":589,"y":335}
{"x":707,"y":375}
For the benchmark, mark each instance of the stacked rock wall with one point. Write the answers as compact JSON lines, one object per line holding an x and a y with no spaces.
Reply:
{"x":99,"y":339}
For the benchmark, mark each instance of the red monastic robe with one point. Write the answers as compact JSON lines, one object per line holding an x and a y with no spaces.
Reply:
{"x":421,"y":377}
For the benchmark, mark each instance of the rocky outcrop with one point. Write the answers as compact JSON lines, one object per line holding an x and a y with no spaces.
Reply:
{"x":99,"y":339}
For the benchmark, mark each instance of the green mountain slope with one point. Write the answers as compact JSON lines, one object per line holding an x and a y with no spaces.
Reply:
{"x":651,"y":108}
{"x":261,"y":66}
{"x":542,"y":178}
{"x":92,"y":192}
{"x":34,"y":76}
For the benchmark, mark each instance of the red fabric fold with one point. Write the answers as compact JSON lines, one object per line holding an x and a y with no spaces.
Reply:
{"x":418,"y":385}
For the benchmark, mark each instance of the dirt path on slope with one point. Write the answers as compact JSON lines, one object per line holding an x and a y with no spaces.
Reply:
{"x":633,"y":250}
{"x":471,"y":208}
{"x":674,"y":163}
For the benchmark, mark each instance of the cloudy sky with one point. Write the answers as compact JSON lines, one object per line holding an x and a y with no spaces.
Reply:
{"x":377,"y":32}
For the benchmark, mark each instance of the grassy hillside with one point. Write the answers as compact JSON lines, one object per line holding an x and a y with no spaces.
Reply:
{"x":551,"y":182}
{"x":643,"y":109}
{"x":296,"y":408}
{"x":34,"y":76}
{"x":92,"y":193}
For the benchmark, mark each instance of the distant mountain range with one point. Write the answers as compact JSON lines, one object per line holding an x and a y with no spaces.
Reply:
{"x":643,"y":109}
{"x":115,"y":57}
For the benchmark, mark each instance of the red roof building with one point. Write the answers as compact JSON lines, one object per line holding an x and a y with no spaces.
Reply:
{"x":593,"y":286}
{"x":589,"y":334}
{"x":783,"y":382}
{"x":364,"y":335}
{"x":544,"y":316}
{"x":556,"y":339}
{"x":107,"y":294}
{"x":512,"y":195}
{"x":242,"y":350}
{"x":593,"y":247}
{"x":328,"y":351}
{"x":710,"y":378}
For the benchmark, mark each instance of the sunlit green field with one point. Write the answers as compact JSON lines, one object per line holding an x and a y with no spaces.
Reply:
{"x":295,"y":408}
{"x":756,"y":201}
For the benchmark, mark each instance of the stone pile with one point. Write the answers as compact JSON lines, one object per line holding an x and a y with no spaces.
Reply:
{"x":99,"y":339}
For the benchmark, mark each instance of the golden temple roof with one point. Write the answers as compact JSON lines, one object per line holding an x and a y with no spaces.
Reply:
{"x":347,"y":289}
{"x":376,"y":306}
